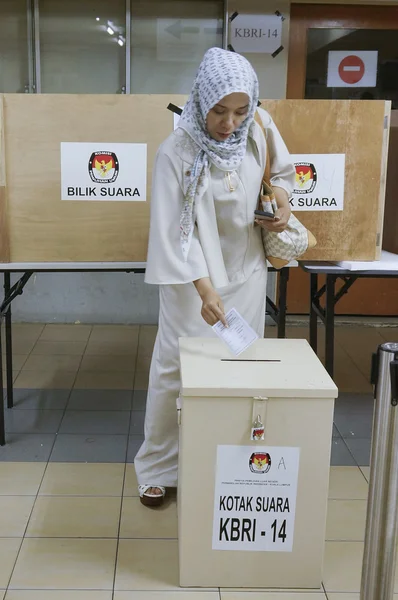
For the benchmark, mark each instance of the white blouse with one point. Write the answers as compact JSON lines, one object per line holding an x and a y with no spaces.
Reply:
{"x":240,"y":239}
{"x":226,"y":246}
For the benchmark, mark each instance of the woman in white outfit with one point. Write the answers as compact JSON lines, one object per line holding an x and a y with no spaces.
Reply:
{"x":205,"y":249}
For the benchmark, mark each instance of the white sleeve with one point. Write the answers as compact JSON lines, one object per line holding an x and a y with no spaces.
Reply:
{"x":283,"y":172}
{"x":165,"y":262}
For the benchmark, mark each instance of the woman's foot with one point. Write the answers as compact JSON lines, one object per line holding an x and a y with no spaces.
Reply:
{"x":152,"y":495}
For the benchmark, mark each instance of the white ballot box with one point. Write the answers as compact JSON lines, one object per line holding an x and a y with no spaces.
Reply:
{"x":255,"y":442}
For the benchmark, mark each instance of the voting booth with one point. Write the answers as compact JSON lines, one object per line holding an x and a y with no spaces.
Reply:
{"x":76,"y":172}
{"x":254,"y":460}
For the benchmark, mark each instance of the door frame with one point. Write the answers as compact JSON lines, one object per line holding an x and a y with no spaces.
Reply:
{"x":327,"y":16}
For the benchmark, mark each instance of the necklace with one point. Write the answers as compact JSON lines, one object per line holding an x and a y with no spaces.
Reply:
{"x":230,"y":185}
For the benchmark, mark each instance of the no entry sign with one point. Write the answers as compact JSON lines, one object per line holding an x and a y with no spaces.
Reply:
{"x":352,"y":69}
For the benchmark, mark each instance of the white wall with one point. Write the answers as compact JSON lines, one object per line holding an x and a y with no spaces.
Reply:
{"x":87,"y":298}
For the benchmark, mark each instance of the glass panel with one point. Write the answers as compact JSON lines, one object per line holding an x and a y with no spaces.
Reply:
{"x":365,"y":76}
{"x":14,"y":72}
{"x":82,"y":46}
{"x":166,"y":50}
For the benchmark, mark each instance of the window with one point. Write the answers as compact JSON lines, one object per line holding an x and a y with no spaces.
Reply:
{"x":14,"y":69}
{"x":82,"y":46}
{"x":166,"y":49}
{"x":382,"y":42}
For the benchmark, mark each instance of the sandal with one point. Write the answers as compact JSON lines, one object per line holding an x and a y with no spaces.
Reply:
{"x":151,"y":499}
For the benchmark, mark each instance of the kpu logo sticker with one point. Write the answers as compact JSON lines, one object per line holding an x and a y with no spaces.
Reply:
{"x":260,"y":462}
{"x":103,"y":167}
{"x":306,"y":178}
{"x":319,"y":182}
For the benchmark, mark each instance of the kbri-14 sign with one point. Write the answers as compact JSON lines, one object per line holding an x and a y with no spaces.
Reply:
{"x":256,"y":33}
{"x":255,"y":498}
{"x":103,"y":172}
{"x":319,"y":182}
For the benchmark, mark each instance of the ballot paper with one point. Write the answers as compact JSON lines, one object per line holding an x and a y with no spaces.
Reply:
{"x":238,"y":335}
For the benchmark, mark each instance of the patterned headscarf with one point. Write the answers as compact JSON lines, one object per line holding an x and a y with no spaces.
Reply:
{"x":220,"y":73}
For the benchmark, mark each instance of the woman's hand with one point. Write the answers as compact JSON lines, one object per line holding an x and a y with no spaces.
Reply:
{"x":212,"y":305}
{"x":279,"y":223}
{"x":213,"y":309}
{"x":282,"y":214}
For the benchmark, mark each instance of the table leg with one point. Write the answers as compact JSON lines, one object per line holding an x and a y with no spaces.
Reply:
{"x":283,"y":280}
{"x":2,"y":424}
{"x":313,"y":315}
{"x":8,"y":319}
{"x":329,"y":323}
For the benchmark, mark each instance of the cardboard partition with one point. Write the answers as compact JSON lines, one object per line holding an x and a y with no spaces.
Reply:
{"x":42,"y":227}
{"x":359,"y":130}
{"x":37,"y":225}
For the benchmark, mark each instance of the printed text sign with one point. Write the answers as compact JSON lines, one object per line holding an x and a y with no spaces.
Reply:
{"x":256,"y":33}
{"x":103,"y":172}
{"x":255,"y":498}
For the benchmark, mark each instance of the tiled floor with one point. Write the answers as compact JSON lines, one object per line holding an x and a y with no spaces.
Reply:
{"x":71,"y":525}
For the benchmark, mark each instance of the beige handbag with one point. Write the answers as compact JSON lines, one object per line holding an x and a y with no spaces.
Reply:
{"x":295,"y":240}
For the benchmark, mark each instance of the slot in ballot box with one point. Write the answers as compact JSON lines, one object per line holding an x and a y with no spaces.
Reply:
{"x":254,"y":460}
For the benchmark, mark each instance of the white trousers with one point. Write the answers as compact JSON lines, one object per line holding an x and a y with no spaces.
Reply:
{"x":179,"y":316}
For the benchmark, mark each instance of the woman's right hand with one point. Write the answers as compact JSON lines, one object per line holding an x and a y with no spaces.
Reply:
{"x":212,"y":305}
{"x":213,"y":309}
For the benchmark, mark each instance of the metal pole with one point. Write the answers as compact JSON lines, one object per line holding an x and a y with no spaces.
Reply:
{"x":378,"y":569}
{"x":8,"y":323}
{"x":313,"y":315}
{"x":329,"y":323}
{"x":29,"y":17}
{"x":36,"y":24}
{"x":128,"y":47}
{"x":226,"y":25}
{"x":283,"y":281}
{"x":2,"y":420}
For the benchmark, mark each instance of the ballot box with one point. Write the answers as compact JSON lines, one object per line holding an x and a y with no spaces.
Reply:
{"x":254,"y":459}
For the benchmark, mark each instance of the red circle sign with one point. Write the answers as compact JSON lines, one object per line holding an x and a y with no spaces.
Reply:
{"x":351,"y":69}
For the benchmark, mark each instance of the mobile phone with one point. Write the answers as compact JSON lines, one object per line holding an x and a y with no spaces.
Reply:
{"x":261,"y":214}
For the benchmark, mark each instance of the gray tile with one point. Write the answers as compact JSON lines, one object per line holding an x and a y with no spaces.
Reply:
{"x":354,"y":425}
{"x":137,"y":422}
{"x":360,"y":449}
{"x":90,"y":448}
{"x":27,"y":447}
{"x":40,"y":399}
{"x":336,"y":433}
{"x":101,"y":400}
{"x":33,"y":421}
{"x":355,"y":397}
{"x":341,"y":456}
{"x":139,"y":399}
{"x":354,"y":403}
{"x":135,"y":443}
{"x":95,"y":422}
